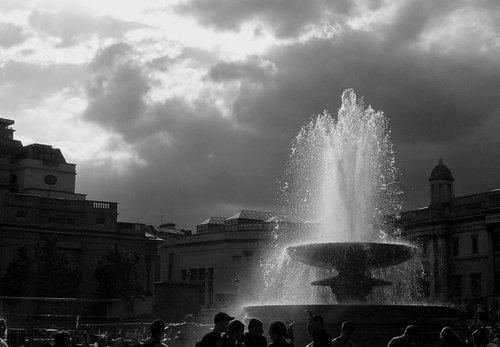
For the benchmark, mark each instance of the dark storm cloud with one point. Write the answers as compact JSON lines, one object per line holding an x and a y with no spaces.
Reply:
{"x":428,"y":97}
{"x":195,"y":160}
{"x":72,"y":26}
{"x":116,"y":90}
{"x":198,"y":163}
{"x":25,"y":84}
{"x":434,"y":101}
{"x":11,"y":35}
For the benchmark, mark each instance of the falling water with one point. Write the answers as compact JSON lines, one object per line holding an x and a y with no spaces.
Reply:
{"x":341,"y":184}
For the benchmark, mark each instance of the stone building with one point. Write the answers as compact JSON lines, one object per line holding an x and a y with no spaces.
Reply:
{"x":38,"y":199}
{"x":222,"y":258}
{"x":459,"y":241}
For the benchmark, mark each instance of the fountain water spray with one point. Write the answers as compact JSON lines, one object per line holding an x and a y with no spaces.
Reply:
{"x":342,"y":193}
{"x":342,"y":179}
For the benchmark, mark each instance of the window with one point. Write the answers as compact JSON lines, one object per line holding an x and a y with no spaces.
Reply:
{"x":170,"y":266}
{"x":210,"y":300}
{"x":455,"y":246}
{"x":201,"y":275}
{"x":100,"y":221}
{"x":184,"y":275}
{"x":497,"y":282}
{"x":496,"y":241}
{"x":192,"y":275}
{"x":22,"y":214}
{"x":456,"y":286}
{"x":474,"y":244}
{"x":475,"y":284}
{"x":424,"y":249}
{"x":61,"y":220}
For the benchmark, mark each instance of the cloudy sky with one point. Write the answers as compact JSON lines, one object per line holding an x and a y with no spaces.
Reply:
{"x":187,"y":109}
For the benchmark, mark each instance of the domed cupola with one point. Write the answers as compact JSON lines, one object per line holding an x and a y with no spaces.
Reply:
{"x":441,"y":182}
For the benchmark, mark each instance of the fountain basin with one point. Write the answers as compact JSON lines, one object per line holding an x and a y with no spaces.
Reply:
{"x":374,"y":255}
{"x":351,"y":260}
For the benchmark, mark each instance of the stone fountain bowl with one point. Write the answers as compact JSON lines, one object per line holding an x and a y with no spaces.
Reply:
{"x":340,"y":254}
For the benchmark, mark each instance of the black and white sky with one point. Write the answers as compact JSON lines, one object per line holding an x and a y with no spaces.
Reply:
{"x":187,"y":109}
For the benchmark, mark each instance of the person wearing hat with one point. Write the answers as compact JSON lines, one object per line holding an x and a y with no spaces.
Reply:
{"x":155,"y":340}
{"x":221,"y":321}
{"x":344,"y":339}
{"x":405,"y":340}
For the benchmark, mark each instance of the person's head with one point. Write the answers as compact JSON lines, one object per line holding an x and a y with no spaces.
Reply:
{"x":255,"y":327}
{"x":277,"y":330}
{"x":315,"y":324}
{"x":235,"y":330}
{"x":62,"y":339}
{"x":448,"y":337}
{"x":411,"y":332}
{"x":3,"y":329}
{"x":157,"y":328}
{"x":221,"y":321}
{"x":347,"y":329}
{"x":479,"y":338}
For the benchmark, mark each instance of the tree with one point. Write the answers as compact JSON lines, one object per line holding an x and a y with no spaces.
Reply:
{"x":17,"y":276}
{"x":117,"y":275}
{"x":54,"y":273}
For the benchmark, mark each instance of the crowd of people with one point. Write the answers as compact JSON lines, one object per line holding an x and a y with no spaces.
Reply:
{"x":229,"y":332}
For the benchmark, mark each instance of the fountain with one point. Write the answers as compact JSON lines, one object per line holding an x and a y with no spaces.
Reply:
{"x":343,"y":177}
{"x":352,"y":260}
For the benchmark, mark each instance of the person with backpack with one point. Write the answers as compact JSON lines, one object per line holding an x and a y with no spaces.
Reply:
{"x":155,"y":340}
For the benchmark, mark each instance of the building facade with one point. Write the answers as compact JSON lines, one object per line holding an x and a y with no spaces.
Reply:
{"x":38,"y":200}
{"x":223,"y":257}
{"x":459,"y":241}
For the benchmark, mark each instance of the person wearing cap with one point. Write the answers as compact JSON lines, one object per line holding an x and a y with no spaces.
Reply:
{"x":405,"y":340}
{"x":255,"y":335}
{"x":344,"y":339}
{"x":155,"y":340}
{"x":316,"y":328}
{"x":221,"y":321}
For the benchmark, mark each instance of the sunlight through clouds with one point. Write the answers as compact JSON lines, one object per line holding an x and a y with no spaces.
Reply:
{"x":191,"y":95}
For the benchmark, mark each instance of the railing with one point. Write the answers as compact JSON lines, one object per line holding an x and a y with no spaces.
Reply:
{"x":468,"y":200}
{"x":100,"y":204}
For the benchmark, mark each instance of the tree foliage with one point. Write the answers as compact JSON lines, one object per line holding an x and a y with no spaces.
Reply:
{"x":51,"y":273}
{"x":118,"y":275}
{"x":55,"y":274}
{"x":17,"y":275}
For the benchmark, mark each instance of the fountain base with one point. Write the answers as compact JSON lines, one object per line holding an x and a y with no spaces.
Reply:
{"x":375,"y":324}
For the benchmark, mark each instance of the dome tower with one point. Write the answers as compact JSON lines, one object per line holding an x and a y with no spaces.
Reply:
{"x":441,"y":183}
